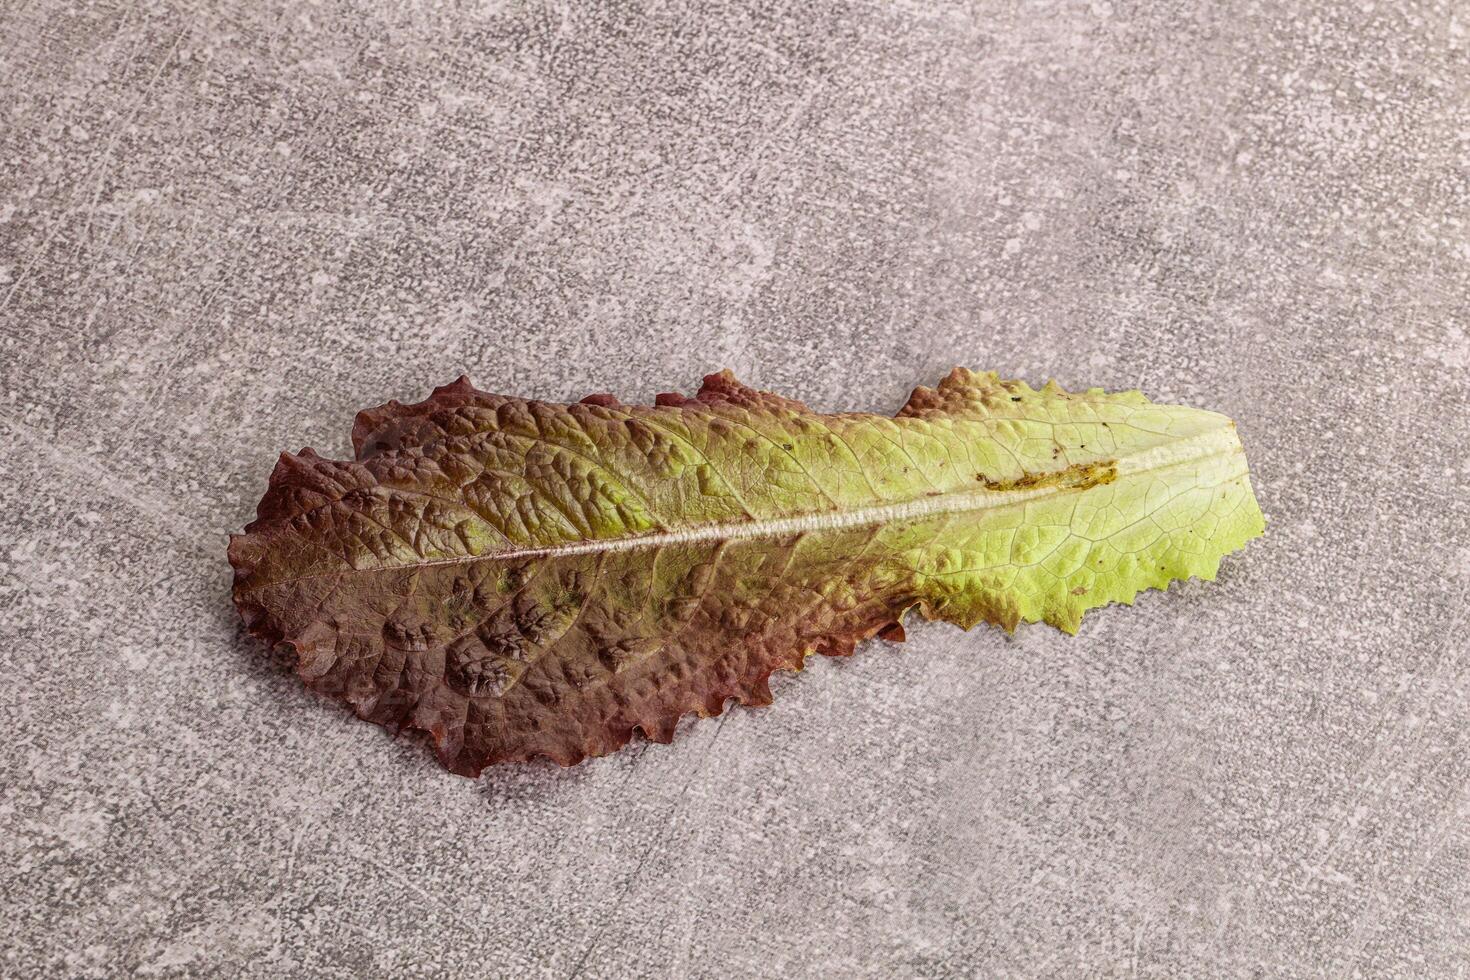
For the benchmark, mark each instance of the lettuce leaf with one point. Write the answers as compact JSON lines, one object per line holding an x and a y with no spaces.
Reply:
{"x":522,"y":579}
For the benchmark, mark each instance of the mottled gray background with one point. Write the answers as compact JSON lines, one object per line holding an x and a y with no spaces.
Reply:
{"x":224,"y":228}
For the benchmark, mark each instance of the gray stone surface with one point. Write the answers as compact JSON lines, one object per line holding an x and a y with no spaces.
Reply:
{"x":224,"y":228}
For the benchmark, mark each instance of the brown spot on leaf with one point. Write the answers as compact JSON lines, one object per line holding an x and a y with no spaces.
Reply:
{"x":1079,"y":476}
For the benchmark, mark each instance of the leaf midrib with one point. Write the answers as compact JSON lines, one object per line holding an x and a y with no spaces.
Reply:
{"x":1211,"y":443}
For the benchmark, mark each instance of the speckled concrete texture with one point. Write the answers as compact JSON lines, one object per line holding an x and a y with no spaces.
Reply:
{"x":224,"y":228}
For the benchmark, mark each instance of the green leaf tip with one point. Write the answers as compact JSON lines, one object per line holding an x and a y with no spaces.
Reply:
{"x":524,"y":579}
